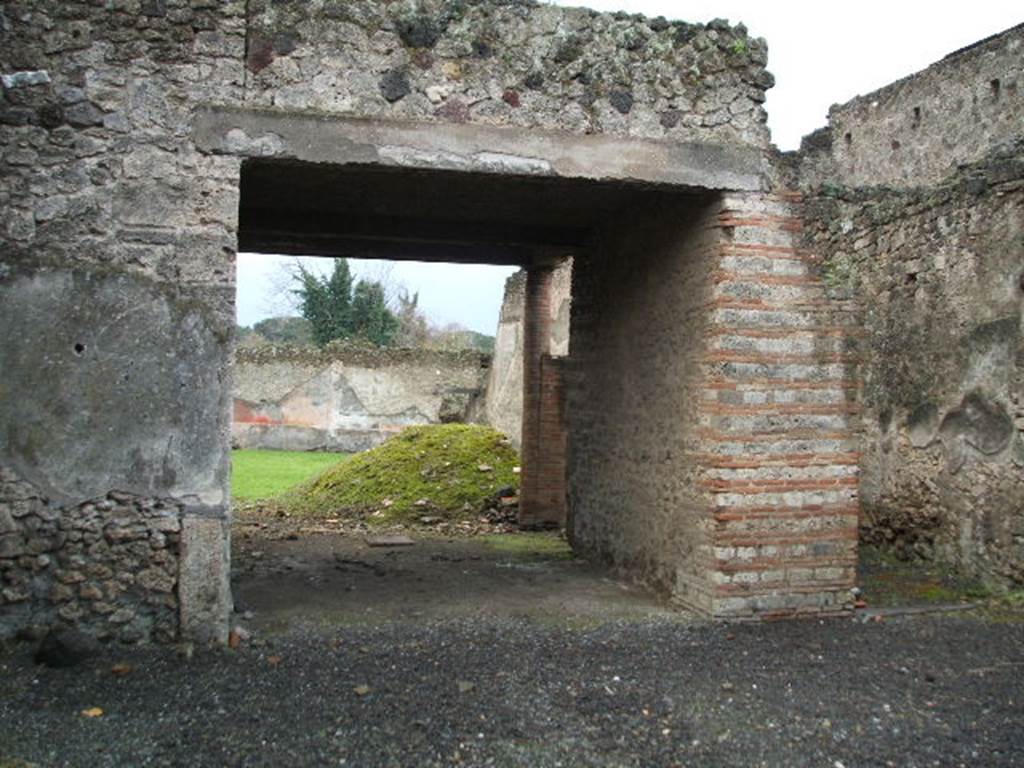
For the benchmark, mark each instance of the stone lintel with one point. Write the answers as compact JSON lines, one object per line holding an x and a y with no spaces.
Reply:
{"x":504,"y":151}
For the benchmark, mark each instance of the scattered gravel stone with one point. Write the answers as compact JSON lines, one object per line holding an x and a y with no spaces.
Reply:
{"x":544,"y":695}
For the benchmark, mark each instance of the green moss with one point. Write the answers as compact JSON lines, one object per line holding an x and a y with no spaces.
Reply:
{"x":938,"y":593}
{"x":530,"y":546}
{"x":833,"y":190}
{"x":1006,"y":608}
{"x":446,"y":470}
{"x":888,"y":581}
{"x":838,"y":273}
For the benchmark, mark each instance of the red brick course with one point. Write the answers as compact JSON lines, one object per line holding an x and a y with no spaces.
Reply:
{"x":542,"y":500}
{"x":791,"y":549}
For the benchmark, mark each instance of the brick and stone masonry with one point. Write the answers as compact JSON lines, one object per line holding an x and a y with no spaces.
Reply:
{"x":777,"y":421}
{"x":543,"y":485}
{"x":708,"y":394}
{"x":503,"y":407}
{"x":728,"y":474}
{"x":915,"y":209}
{"x":124,"y":130}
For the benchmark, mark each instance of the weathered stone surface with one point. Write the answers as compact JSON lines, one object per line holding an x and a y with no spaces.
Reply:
{"x":394,"y":85}
{"x":204,"y":589}
{"x":935,"y":271}
{"x":12,"y":545}
{"x":25,"y":79}
{"x":349,"y":398}
{"x":98,"y":329}
{"x":504,"y":404}
{"x":578,"y":71}
{"x":72,"y":581}
{"x":119,"y":221}
{"x":650,"y":522}
{"x":119,"y":201}
{"x":916,"y":131}
{"x":465,"y":145}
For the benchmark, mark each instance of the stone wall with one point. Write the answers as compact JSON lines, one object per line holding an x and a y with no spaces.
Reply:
{"x":348,"y":398}
{"x":916,"y":131}
{"x":118,"y":231}
{"x":637,"y":316}
{"x":116,"y":300}
{"x":524,"y":64}
{"x":504,"y":401}
{"x":109,"y":564}
{"x":939,"y":275}
{"x":710,"y":398}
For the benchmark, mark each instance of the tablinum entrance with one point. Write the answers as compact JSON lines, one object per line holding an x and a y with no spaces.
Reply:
{"x":360,"y":211}
{"x":707,"y":399}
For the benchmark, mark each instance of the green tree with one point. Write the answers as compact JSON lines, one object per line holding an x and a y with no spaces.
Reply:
{"x":285,"y":330}
{"x":326,"y":302}
{"x":337,"y":311}
{"x":370,"y":318}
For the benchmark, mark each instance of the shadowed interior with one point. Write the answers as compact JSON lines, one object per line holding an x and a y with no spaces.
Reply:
{"x":407,"y":214}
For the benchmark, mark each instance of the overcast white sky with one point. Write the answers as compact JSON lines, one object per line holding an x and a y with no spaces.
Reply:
{"x":821,"y":52}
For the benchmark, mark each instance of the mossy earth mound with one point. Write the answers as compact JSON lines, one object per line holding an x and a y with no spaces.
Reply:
{"x":446,"y":470}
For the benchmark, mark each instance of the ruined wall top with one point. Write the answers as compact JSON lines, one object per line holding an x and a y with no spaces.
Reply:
{"x":916,"y":131}
{"x":510,"y":62}
{"x":361,"y":355}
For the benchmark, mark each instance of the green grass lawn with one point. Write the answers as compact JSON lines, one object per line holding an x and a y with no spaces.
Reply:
{"x":265,"y":474}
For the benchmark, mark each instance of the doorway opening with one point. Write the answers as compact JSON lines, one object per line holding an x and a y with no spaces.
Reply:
{"x":536,"y":225}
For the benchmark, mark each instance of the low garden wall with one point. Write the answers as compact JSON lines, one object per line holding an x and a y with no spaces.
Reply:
{"x":349,"y":398}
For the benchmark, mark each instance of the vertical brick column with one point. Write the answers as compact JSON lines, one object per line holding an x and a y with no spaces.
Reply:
{"x":778,"y":412}
{"x":536,"y":509}
{"x":549,"y":473}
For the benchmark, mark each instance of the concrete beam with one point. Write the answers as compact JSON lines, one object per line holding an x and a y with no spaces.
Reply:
{"x":475,"y":148}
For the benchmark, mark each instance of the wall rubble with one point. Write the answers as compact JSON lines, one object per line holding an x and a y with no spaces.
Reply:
{"x":523,"y":64}
{"x":109,"y":565}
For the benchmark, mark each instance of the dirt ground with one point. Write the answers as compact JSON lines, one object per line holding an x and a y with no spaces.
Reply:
{"x":286,"y":571}
{"x":506,"y":651}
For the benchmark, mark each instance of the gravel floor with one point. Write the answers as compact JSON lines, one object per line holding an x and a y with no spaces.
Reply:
{"x":943,"y":691}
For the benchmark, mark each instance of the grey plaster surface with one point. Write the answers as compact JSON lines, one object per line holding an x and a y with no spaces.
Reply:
{"x":477,"y":148}
{"x":110,"y":382}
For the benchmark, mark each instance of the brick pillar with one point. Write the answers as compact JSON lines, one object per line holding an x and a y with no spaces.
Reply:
{"x":779,"y":422}
{"x":549,"y":472}
{"x":540,"y":505}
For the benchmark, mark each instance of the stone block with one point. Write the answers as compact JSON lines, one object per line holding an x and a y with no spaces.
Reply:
{"x":156,"y":580}
{"x":12,"y":545}
{"x":204,"y":589}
